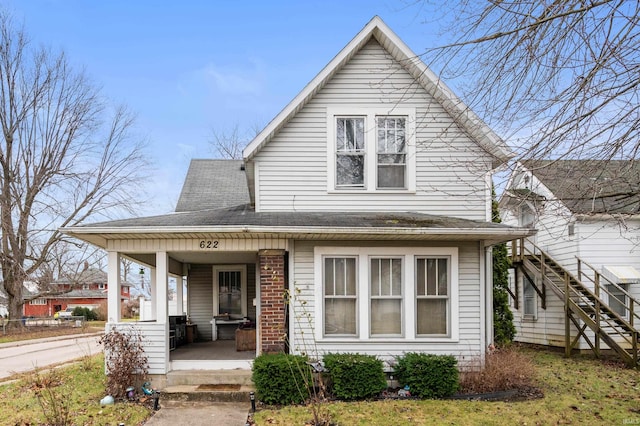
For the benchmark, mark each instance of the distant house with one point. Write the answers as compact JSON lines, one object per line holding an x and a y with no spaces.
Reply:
{"x":587,"y":214}
{"x":88,"y":290}
{"x":367,"y":200}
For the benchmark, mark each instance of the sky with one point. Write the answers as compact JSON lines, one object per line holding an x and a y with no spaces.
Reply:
{"x":187,"y":68}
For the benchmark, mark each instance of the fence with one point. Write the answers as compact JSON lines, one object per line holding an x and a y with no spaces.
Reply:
{"x":43,"y":324}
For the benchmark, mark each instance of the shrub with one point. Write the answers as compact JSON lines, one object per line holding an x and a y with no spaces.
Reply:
{"x":427,"y":375}
{"x":504,"y":369}
{"x":125,"y":360}
{"x":281,"y":378}
{"x":355,"y":376}
{"x":88,"y":314}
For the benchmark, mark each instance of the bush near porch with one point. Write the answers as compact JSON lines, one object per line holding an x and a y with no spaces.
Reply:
{"x":285,"y":379}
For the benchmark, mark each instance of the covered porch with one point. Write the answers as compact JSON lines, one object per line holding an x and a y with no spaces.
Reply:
{"x":226,"y":285}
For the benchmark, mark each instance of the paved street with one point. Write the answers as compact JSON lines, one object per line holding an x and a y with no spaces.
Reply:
{"x":25,"y":356}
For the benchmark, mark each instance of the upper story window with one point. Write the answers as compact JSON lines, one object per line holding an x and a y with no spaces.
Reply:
{"x":371,"y":149}
{"x":350,"y":152}
{"x":391,"y":156}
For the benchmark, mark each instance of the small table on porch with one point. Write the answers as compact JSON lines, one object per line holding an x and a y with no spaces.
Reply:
{"x":215,"y":323}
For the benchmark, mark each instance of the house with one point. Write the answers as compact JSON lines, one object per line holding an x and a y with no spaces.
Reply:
{"x":88,"y":290}
{"x":587,"y":214}
{"x":359,"y":220}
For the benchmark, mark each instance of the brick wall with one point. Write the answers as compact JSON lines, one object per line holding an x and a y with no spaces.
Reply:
{"x":272,"y":301}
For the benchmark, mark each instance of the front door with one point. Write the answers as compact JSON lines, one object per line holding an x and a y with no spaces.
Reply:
{"x":229,"y":299}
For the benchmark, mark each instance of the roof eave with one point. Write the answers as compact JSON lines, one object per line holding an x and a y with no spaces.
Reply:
{"x":493,"y":235}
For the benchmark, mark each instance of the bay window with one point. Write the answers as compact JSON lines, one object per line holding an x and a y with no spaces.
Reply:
{"x":386,"y":293}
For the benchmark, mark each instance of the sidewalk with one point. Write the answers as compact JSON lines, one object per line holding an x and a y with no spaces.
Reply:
{"x":172,"y":413}
{"x":48,"y":339}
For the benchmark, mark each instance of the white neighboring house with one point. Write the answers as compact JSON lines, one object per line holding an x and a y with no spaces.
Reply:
{"x":367,"y":199}
{"x":587,"y":217}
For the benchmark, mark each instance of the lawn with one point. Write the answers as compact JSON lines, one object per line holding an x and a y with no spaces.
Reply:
{"x":579,"y":390}
{"x":65,"y":396}
{"x":38,"y":332}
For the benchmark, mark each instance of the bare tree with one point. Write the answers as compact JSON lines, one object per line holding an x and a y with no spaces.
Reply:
{"x":60,"y":160}
{"x":229,"y":144}
{"x":559,"y":78}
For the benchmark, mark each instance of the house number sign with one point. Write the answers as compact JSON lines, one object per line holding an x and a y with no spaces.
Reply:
{"x":209,"y":244}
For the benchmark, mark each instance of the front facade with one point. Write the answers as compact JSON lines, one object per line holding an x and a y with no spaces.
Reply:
{"x":587,"y":216}
{"x":357,"y":221}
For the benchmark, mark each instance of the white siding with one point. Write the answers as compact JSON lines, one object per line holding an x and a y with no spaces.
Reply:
{"x":450,"y":168}
{"x":200,"y":295}
{"x":548,"y":326}
{"x":468,"y":348}
{"x":155,"y":342}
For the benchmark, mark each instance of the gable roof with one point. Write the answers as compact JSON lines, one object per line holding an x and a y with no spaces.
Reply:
{"x":212,"y":184}
{"x":376,"y":28}
{"x":591,"y":186}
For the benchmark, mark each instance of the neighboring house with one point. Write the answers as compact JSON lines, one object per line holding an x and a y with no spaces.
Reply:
{"x":587,"y":214}
{"x":366,"y":202}
{"x":89,"y":290}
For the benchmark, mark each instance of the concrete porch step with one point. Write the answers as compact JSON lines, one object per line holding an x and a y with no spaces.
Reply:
{"x":209,"y":377}
{"x":207,"y":393}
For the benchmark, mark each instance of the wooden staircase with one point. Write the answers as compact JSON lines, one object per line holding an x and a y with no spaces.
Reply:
{"x":585,"y":302}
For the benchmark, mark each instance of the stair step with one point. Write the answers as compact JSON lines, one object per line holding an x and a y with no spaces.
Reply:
{"x":209,"y":377}
{"x":207,"y":393}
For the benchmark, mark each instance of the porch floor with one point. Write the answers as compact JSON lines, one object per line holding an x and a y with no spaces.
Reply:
{"x":210,"y":351}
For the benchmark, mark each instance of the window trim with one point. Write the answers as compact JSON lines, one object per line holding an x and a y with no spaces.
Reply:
{"x":409,"y":292}
{"x":370,"y":152}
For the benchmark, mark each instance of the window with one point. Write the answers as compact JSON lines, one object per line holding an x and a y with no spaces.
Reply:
{"x":102,"y":286}
{"x":350,"y":152}
{"x":386,"y":293}
{"x":340,"y":296}
{"x":618,"y":298}
{"x":529,"y":296}
{"x":386,"y":296}
{"x":391,"y":156}
{"x":432,"y":294}
{"x":230,"y":290}
{"x":85,"y":286}
{"x":370,"y":149}
{"x":527,"y":216}
{"x":40,"y":301}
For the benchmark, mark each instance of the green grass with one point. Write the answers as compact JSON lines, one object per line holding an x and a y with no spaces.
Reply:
{"x":579,"y":390}
{"x":79,"y":386}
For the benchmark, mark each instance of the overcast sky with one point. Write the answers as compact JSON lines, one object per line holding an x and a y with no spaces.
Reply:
{"x":187,"y":67}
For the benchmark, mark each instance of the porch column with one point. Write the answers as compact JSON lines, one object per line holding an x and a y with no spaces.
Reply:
{"x":153,"y":293}
{"x":162,"y":283}
{"x":113,"y":286}
{"x":179,"y":297}
{"x":272,"y":301}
